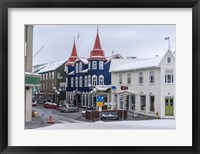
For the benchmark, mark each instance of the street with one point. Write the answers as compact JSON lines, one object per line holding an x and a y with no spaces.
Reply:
{"x":76,"y":120}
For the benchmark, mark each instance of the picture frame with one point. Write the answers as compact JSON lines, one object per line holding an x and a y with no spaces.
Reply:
{"x":4,"y":89}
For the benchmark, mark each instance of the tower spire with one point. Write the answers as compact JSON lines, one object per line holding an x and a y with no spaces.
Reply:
{"x":97,"y":53}
{"x":73,"y":56}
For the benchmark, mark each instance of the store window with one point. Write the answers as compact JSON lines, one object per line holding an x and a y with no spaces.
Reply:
{"x":152,"y":104}
{"x":143,"y":102}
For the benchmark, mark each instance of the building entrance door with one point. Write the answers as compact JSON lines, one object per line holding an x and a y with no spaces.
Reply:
{"x":169,"y":106}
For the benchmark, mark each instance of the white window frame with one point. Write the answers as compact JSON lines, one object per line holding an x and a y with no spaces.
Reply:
{"x":120,"y":79}
{"x":80,"y":81}
{"x":94,"y":80}
{"x":49,"y":75}
{"x":80,"y":67}
{"x":151,"y":77}
{"x":76,"y":67}
{"x":141,"y":78}
{"x":86,"y":81}
{"x":101,"y":80}
{"x":76,"y":82}
{"x":66,"y":68}
{"x":89,"y":65}
{"x":53,"y":75}
{"x":101,"y":65}
{"x":169,"y":74}
{"x":66,"y":80}
{"x":72,"y":82}
{"x":89,"y":79}
{"x":94,"y":65}
{"x":129,"y":78}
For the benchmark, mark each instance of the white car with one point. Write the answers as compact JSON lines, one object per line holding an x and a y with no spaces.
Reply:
{"x":69,"y":108}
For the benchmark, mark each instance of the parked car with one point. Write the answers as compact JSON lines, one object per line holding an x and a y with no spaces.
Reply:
{"x":109,"y":115}
{"x":69,"y":108}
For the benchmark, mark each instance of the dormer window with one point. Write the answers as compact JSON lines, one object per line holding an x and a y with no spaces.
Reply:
{"x":80,"y":67}
{"x":89,"y":65}
{"x":94,"y":65}
{"x":76,"y":67}
{"x":101,"y":65}
{"x":169,"y":60}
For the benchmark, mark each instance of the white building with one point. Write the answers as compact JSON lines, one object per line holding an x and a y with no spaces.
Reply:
{"x":145,"y":86}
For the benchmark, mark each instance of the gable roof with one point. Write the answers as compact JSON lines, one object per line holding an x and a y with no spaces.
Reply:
{"x":120,"y":65}
{"x":52,"y":66}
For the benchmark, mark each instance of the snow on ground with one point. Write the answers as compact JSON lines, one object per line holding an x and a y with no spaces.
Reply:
{"x":143,"y":124}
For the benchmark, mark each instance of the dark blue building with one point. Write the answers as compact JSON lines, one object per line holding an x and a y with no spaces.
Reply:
{"x":86,"y":78}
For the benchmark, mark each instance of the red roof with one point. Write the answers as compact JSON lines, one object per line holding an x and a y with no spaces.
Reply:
{"x":73,"y":56}
{"x":97,"y":53}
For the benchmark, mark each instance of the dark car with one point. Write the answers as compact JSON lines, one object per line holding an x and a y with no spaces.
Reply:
{"x":109,"y":115}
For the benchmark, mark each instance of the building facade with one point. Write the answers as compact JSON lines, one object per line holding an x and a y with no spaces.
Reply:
{"x":87,"y":78}
{"x":145,"y":86}
{"x":53,"y":86}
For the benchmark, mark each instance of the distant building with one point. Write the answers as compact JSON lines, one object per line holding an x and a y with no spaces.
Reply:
{"x":53,"y":86}
{"x":31,"y":79}
{"x":145,"y":86}
{"x":88,"y":78}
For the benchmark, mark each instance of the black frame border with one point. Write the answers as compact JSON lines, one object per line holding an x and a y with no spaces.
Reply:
{"x":6,"y":4}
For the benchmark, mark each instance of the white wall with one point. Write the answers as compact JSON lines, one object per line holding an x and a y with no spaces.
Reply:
{"x":28,"y":104}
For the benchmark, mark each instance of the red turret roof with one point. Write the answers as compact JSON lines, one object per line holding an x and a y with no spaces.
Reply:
{"x":97,"y":53}
{"x":73,"y":56}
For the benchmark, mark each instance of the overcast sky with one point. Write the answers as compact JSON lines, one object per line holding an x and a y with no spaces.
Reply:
{"x":127,"y":40}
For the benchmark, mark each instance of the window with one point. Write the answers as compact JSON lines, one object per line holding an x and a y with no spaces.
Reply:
{"x":152,"y":105}
{"x":52,"y":75}
{"x":86,"y":81}
{"x":94,"y":80}
{"x":89,"y":79}
{"x":143,"y":103}
{"x":43,"y":76}
{"x":46,"y":76}
{"x":76,"y":81}
{"x":49,"y":75}
{"x":169,"y":76}
{"x":76,"y":67}
{"x":62,"y":86}
{"x":151,"y":77}
{"x":132,"y":106}
{"x":80,"y":81}
{"x":169,"y":60}
{"x":89,"y":65}
{"x":120,"y":79}
{"x":94,"y":65}
{"x":72,"y":82}
{"x":128,"y":78}
{"x":101,"y":80}
{"x":58,"y":75}
{"x":141,"y":77}
{"x":101,"y":65}
{"x":121,"y":101}
{"x":66,"y":69}
{"x":80,"y":67}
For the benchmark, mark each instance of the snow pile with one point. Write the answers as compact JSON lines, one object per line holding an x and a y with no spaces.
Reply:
{"x":143,"y":124}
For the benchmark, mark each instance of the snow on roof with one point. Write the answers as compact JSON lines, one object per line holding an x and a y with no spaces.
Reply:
{"x":52,"y":66}
{"x":133,"y":64}
{"x":32,"y":74}
{"x":102,"y":87}
{"x":71,"y":73}
{"x":109,"y":58}
{"x":83,"y":59}
{"x":84,"y":71}
{"x":38,"y":67}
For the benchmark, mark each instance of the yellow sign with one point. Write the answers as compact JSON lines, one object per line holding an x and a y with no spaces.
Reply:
{"x":99,"y":103}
